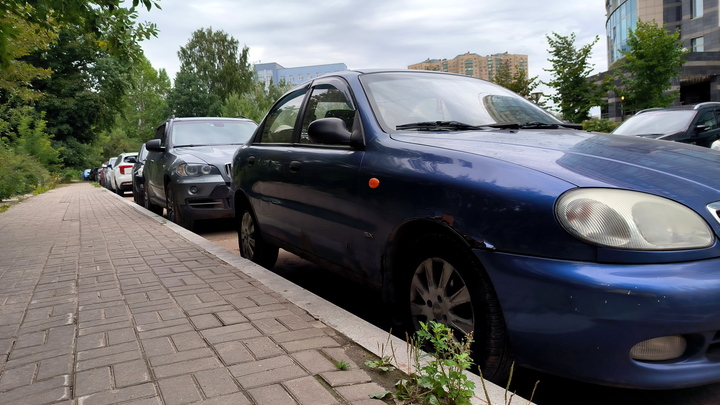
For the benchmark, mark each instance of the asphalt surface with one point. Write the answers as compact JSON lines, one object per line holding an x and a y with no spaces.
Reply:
{"x":103,"y":302}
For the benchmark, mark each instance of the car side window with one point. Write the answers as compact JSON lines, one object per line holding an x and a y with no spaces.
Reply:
{"x":326,"y":101}
{"x":278,"y":127}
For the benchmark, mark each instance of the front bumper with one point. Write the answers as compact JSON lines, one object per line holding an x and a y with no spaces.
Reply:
{"x":580,"y":320}
{"x":205,"y":199}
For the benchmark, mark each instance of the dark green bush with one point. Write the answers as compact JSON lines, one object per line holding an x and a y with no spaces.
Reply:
{"x":599,"y":125}
{"x":20,"y":174}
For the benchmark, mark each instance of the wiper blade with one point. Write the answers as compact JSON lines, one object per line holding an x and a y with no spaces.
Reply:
{"x":544,"y":125}
{"x":439,"y":125}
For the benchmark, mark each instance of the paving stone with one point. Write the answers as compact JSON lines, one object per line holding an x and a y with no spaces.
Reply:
{"x":95,"y":380}
{"x":359,"y":391}
{"x":216,"y":382}
{"x":272,"y":395}
{"x":130,"y":373}
{"x":310,"y":392}
{"x":185,"y":367}
{"x":179,"y":390}
{"x":207,"y":321}
{"x":181,"y":356}
{"x":233,"y":352}
{"x":61,"y":365}
{"x":268,"y":371}
{"x":188,"y":341}
{"x":305,"y":344}
{"x":121,"y":395}
{"x":230,"y":317}
{"x":263,"y":347}
{"x":314,"y":361}
{"x":229,"y":333}
{"x":17,"y":377}
{"x":346,"y":377}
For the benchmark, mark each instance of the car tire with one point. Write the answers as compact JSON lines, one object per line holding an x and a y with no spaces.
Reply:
{"x":251,"y":244}
{"x":440,"y":271}
{"x":155,"y":209}
{"x":174,"y":213}
{"x":138,"y":195}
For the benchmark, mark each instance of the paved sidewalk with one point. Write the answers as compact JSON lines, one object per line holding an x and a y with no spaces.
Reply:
{"x":102,"y":302}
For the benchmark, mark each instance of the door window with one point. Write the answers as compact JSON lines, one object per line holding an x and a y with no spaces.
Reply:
{"x":326,"y":101}
{"x":278,"y":127}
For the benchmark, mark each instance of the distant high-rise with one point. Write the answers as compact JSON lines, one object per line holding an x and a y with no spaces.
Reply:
{"x":699,"y":26}
{"x":472,"y":64}
{"x":273,"y":72}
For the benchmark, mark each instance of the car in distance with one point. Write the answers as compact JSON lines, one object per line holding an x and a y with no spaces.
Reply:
{"x":187,"y":167}
{"x":105,"y":174}
{"x":121,"y":173}
{"x":693,"y":124}
{"x":138,"y":181}
{"x":586,"y":255}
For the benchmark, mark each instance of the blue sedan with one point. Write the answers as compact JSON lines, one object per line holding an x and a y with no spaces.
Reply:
{"x":586,"y":255}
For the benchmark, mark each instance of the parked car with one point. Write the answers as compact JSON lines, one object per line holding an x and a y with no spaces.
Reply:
{"x":590,"y":256}
{"x":138,"y":180}
{"x":86,"y":174}
{"x":187,"y":167}
{"x":121,"y":174}
{"x":693,"y":124}
{"x":105,"y":175}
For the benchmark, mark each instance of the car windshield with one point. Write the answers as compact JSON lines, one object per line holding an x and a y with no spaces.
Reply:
{"x":661,"y":122}
{"x":413,"y":100}
{"x":201,"y":133}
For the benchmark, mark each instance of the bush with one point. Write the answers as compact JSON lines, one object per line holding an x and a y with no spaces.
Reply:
{"x":599,"y":125}
{"x":20,"y":174}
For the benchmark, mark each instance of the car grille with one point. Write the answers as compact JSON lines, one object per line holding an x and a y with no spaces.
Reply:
{"x":714,"y":209}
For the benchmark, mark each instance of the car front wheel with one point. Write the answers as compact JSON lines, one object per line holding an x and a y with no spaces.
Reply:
{"x":173,"y":209}
{"x":448,"y":286}
{"x":252,"y":246}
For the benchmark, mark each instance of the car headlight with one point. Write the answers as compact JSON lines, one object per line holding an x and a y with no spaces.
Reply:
{"x":631,"y":220}
{"x":187,"y":169}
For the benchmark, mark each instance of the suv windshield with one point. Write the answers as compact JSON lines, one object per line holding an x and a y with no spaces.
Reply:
{"x":661,"y":122}
{"x":403,"y":101}
{"x":197,"y":133}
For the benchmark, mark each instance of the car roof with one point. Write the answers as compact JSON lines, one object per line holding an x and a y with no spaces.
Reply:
{"x":709,"y":104}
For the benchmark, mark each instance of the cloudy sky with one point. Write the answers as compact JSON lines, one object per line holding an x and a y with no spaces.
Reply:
{"x":378,"y":33}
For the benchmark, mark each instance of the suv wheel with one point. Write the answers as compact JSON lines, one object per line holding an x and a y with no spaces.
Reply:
{"x":252,"y":246}
{"x":173,"y":209}
{"x":448,"y":286}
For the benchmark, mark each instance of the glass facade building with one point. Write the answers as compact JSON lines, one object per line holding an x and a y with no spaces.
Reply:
{"x":621,"y":20}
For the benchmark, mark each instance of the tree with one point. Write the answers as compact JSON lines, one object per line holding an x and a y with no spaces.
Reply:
{"x":113,"y":25}
{"x":145,"y":105}
{"x":575,"y":94}
{"x":654,"y":58}
{"x":214,"y":58}
{"x":256,"y":103}
{"x":191,"y":98}
{"x":519,"y":82}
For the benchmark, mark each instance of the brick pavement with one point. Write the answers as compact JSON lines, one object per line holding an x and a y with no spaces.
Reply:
{"x":101,"y":304}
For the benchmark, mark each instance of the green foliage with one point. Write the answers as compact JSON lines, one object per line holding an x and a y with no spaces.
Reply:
{"x":655,"y":57}
{"x":441,"y":379}
{"x":519,"y":82}
{"x":341,"y":365}
{"x":381,"y":364}
{"x":595,"y":124}
{"x":190,"y":98}
{"x":215,"y":59}
{"x":255,"y":103}
{"x":20,"y":173}
{"x":575,"y":94}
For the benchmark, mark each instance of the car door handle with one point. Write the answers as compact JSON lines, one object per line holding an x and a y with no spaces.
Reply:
{"x":294,"y":166}
{"x":251,"y":160}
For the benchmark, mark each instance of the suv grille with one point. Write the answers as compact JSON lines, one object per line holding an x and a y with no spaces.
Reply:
{"x":714,"y":209}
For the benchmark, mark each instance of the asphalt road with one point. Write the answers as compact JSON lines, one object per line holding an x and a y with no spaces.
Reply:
{"x":366,"y":304}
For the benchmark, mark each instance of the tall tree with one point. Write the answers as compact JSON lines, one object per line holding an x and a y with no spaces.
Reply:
{"x":215,"y":59}
{"x":145,"y":105}
{"x":654,"y":58}
{"x":255,"y":103}
{"x":190,"y":97}
{"x":575,"y":94}
{"x":518,"y":81}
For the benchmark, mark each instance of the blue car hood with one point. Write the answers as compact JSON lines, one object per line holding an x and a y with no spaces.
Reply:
{"x":213,"y":154}
{"x":679,"y":171}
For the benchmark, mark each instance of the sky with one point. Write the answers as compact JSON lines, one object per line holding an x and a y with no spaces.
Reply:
{"x":379,"y":33}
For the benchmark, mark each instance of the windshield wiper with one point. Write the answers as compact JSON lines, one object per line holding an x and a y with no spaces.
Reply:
{"x":439,"y":125}
{"x":543,"y":125}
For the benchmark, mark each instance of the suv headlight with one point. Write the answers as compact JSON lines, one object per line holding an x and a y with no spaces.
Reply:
{"x":631,"y":220}
{"x":188,"y":169}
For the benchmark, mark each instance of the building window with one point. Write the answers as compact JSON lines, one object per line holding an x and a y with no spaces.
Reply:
{"x":696,"y":8}
{"x":698,"y":44}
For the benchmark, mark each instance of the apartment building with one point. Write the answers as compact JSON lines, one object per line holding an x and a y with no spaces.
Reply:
{"x":699,"y":24}
{"x":472,"y":64}
{"x":267,"y":72}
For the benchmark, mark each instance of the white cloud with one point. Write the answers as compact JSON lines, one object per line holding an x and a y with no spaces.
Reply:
{"x":378,"y":33}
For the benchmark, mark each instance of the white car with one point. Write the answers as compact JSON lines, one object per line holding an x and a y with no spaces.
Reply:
{"x":121,"y":174}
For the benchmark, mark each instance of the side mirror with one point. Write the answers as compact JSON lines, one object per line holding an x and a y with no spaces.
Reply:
{"x":329,"y":131}
{"x":153,"y":145}
{"x":701,"y":128}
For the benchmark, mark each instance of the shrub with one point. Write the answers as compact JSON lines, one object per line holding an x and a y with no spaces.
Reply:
{"x":599,"y":125}
{"x":20,"y":174}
